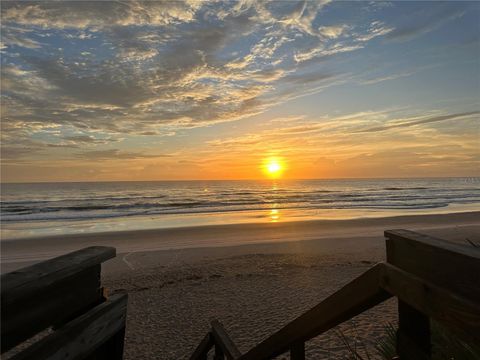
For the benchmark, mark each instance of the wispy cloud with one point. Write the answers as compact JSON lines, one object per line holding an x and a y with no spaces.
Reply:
{"x":387,"y":77}
{"x":422,"y":21}
{"x":116,"y":154}
{"x":422,"y":121}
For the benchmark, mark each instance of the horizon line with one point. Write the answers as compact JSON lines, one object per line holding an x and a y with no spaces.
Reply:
{"x":251,"y":179}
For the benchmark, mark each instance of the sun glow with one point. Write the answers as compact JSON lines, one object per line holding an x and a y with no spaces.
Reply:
{"x":273,"y":167}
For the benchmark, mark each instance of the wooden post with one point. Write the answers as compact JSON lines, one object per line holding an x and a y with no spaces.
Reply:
{"x":297,"y":351}
{"x":413,"y":335}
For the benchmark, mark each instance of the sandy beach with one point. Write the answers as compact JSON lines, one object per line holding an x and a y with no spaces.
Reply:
{"x":254,"y":278}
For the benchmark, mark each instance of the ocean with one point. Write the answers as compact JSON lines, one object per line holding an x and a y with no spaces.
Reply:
{"x":62,"y":208}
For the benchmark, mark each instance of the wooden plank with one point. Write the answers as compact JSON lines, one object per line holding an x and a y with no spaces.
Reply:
{"x":452,"y":310}
{"x":115,"y":346}
{"x":413,"y":335}
{"x":52,"y":305}
{"x":297,"y":351}
{"x":448,"y":265}
{"x":203,"y":348}
{"x":27,"y":281}
{"x":357,"y":296}
{"x":222,"y":339}
{"x":82,"y":336}
{"x":112,"y":349}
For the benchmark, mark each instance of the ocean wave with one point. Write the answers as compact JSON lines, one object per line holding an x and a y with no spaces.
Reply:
{"x":67,"y":203}
{"x":406,"y":188}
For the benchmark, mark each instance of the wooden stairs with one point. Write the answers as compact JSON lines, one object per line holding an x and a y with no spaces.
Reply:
{"x":432,"y":279}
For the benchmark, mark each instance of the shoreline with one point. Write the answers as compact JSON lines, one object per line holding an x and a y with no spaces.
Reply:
{"x":217,"y":236}
{"x":19,"y":230}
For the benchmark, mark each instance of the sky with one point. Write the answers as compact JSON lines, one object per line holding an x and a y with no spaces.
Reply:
{"x":164,"y":90}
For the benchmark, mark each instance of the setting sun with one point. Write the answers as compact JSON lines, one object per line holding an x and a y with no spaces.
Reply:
{"x":273,"y":167}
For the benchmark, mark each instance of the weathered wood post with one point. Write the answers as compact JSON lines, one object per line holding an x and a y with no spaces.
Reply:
{"x":413,"y":334}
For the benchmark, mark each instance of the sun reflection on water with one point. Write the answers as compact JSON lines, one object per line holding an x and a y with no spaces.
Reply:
{"x":274,"y":214}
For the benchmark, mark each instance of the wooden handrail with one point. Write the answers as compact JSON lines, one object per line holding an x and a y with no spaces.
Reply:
{"x":354,"y":298}
{"x":357,"y":296}
{"x":451,"y":266}
{"x":446,"y":264}
{"x":83,"y":335}
{"x":65,"y":294}
{"x":203,"y":347}
{"x":457,"y":310}
{"x":223,"y":340}
{"x":50,"y":293}
{"x":217,"y":337}
{"x":24,"y":282}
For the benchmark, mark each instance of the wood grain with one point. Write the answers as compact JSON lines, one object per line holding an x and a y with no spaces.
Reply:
{"x":83,"y":335}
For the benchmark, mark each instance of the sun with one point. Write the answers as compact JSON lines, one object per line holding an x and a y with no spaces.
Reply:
{"x":273,"y":167}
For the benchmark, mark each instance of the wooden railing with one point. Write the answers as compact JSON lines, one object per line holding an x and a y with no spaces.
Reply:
{"x":432,"y":278}
{"x":64,"y":294}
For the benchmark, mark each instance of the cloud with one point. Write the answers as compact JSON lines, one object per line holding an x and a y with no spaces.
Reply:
{"x":427,"y":120}
{"x":115,"y":154}
{"x":379,"y":79}
{"x":86,"y":139}
{"x":332,"y":32}
{"x":306,"y":79}
{"x":97,"y":15}
{"x":302,"y":15}
{"x":12,"y":39}
{"x":426,"y":20}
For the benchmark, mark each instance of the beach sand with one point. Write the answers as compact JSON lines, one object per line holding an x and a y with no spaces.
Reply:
{"x":254,"y":278}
